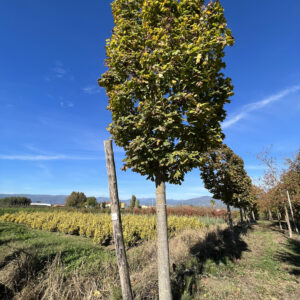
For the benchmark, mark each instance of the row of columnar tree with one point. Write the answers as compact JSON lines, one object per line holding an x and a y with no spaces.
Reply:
{"x":224,"y":176}
{"x":280,"y":193}
{"x":134,"y":203}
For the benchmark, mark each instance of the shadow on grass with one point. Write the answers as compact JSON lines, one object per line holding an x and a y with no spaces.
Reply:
{"x":274,"y":226}
{"x":5,"y":292}
{"x":220,"y":246}
{"x":291,"y":256}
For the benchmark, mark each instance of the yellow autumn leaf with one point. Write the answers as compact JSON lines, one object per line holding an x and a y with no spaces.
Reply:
{"x":199,"y":56}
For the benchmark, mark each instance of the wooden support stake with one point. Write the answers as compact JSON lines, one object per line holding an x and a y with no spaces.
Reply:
{"x":279,"y":219}
{"x":116,"y":221}
{"x":253,"y":216}
{"x":292,"y":212}
{"x":287,"y":219}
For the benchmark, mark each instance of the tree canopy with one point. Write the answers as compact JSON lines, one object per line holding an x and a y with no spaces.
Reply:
{"x":76,"y":199}
{"x":278,"y":182}
{"x":224,"y":176}
{"x":291,"y":177}
{"x":165,"y":83}
{"x":91,"y":202}
{"x":132,"y":201}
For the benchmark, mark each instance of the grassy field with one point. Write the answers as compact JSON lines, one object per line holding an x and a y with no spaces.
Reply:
{"x":256,"y":262}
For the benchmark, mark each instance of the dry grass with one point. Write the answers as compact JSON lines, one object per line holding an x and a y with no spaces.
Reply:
{"x":142,"y":260}
{"x":51,"y":281}
{"x":213,"y":263}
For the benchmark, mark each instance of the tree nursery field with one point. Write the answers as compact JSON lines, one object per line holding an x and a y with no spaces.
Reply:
{"x":165,"y":93}
{"x":208,"y":261}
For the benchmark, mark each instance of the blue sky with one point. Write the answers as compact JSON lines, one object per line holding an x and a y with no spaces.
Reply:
{"x":53,"y":116}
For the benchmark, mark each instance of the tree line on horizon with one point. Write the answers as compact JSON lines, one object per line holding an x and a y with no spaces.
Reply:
{"x":15,"y":201}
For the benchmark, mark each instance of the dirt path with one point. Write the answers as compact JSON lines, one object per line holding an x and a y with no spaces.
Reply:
{"x":269,"y":268}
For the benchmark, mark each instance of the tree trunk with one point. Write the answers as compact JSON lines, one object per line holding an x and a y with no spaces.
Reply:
{"x":287,"y":219}
{"x":246,"y":216}
{"x":163,"y":263}
{"x":229,"y":216}
{"x":116,"y":221}
{"x":292,"y":212}
{"x":250,"y":217}
{"x":279,"y":220}
{"x":241,"y":215}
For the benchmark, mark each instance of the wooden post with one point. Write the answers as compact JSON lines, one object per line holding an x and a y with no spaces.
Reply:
{"x":163,"y":262}
{"x":292,"y":212}
{"x":253,"y":216}
{"x":270,"y":215}
{"x":287,"y":219}
{"x":279,"y":219}
{"x":116,"y":222}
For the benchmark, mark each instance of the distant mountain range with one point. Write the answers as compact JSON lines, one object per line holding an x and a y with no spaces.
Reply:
{"x":60,"y":199}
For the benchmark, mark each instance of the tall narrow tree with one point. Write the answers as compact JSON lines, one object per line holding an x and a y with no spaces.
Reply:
{"x":224,"y":176}
{"x":132,"y":201}
{"x":166,"y":93}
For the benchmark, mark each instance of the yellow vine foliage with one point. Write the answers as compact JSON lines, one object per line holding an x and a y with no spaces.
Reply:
{"x":99,"y":226}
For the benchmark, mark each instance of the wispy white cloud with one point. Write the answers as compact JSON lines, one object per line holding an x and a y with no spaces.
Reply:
{"x":35,"y":149}
{"x":30,"y":157}
{"x":91,"y":89}
{"x":59,"y":71}
{"x":259,"y":104}
{"x":66,"y":104}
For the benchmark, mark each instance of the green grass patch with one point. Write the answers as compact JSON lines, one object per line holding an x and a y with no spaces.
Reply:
{"x":74,"y":251}
{"x":209,"y":221}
